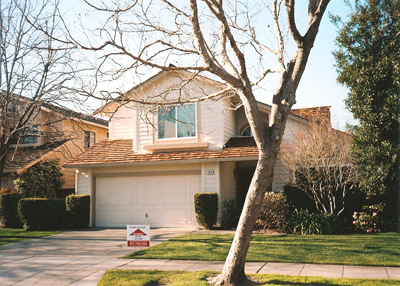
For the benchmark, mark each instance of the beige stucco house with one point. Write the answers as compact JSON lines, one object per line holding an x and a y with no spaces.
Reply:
{"x":53,"y":133}
{"x":158,"y":157}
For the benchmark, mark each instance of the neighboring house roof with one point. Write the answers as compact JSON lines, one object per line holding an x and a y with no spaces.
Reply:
{"x":68,"y":113}
{"x":65,"y":112}
{"x":120,"y":152}
{"x":22,"y":157}
{"x":320,"y":113}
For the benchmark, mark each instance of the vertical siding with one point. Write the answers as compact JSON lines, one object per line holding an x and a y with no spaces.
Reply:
{"x":121,"y":125}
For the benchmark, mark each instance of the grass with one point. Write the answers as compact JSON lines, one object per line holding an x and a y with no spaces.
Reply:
{"x":155,"y":277}
{"x":14,"y":235}
{"x":382,"y":249}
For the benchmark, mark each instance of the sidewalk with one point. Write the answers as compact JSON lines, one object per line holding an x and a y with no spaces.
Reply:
{"x":329,"y":271}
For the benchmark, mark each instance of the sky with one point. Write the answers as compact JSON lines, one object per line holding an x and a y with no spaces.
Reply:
{"x":318,"y":86}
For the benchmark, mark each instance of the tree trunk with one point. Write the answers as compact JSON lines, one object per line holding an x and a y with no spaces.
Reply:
{"x":233,"y":272}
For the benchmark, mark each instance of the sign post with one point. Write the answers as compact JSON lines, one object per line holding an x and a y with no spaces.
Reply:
{"x":138,"y":235}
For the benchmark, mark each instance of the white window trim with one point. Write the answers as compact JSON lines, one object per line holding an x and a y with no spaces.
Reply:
{"x":176,"y":129}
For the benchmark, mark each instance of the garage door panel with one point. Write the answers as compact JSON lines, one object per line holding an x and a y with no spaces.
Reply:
{"x":154,"y":196}
{"x":120,"y":217}
{"x":173,"y":191}
{"x":173,"y":215}
{"x":103,"y":187}
{"x":155,"y":200}
{"x":153,"y":216}
{"x":141,"y":189}
{"x":101,"y":217}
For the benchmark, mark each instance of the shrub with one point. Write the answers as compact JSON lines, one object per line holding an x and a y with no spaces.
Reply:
{"x":368,"y":220}
{"x":230,"y":215}
{"x":274,"y":212}
{"x":78,"y":208}
{"x":42,"y":180}
{"x":206,"y":209}
{"x":42,"y":214}
{"x":297,"y":199}
{"x":304,"y":222}
{"x":9,"y":208}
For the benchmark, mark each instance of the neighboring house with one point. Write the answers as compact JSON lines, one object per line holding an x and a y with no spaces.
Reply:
{"x":158,"y":157}
{"x":53,"y":132}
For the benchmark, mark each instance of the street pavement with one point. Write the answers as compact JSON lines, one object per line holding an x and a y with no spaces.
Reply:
{"x":81,"y":257}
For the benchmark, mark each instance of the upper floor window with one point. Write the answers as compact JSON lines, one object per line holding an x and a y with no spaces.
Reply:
{"x":28,"y":135}
{"x":247,"y":132}
{"x":177,"y":121}
{"x":89,"y":139}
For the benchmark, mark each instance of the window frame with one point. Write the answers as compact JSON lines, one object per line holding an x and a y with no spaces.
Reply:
{"x":27,"y":136}
{"x":87,"y":135}
{"x":176,"y":121}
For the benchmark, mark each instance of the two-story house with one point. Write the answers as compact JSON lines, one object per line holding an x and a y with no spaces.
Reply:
{"x":53,"y":132}
{"x":158,"y":156}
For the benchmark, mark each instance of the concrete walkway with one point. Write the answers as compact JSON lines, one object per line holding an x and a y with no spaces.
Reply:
{"x":81,"y":258}
{"x":70,"y":258}
{"x":330,"y":271}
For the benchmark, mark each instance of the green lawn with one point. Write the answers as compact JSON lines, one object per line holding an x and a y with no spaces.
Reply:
{"x":154,"y":277}
{"x":382,"y":249}
{"x":13,"y":235}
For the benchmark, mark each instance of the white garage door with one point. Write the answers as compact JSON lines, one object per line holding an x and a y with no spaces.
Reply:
{"x":160,"y":201}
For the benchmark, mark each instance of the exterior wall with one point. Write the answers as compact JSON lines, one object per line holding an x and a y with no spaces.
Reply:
{"x":242,"y":122}
{"x":121,"y":125}
{"x":85,"y":177}
{"x":228,"y":185}
{"x":214,"y":124}
{"x":281,"y":177}
{"x":230,"y":125}
{"x":7,"y":181}
{"x":82,"y":182}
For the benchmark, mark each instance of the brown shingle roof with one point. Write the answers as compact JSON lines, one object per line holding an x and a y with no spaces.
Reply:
{"x":322,"y":113}
{"x":19,"y":158}
{"x":120,"y":151}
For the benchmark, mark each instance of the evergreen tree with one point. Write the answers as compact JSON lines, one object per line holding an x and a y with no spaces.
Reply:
{"x":367,"y":62}
{"x":42,"y":180}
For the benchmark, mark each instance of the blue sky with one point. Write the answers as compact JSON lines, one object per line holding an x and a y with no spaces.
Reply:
{"x":318,"y":86}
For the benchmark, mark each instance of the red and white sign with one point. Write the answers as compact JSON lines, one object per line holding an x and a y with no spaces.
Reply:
{"x":138,"y":235}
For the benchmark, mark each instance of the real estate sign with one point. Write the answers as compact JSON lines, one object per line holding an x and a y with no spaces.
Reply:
{"x":138,"y":235}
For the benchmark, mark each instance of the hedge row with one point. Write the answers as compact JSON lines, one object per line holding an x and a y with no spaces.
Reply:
{"x":44,"y":214}
{"x":9,"y":208}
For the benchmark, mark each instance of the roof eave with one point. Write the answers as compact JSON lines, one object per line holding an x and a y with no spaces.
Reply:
{"x":183,"y":161}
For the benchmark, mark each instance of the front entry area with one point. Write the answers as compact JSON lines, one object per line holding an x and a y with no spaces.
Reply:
{"x":157,"y":200}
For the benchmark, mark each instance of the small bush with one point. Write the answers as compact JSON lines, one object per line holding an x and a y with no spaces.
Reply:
{"x":9,"y":208}
{"x":297,"y":199}
{"x":230,"y":215}
{"x":274,"y":212}
{"x":78,"y":208}
{"x":368,"y":220}
{"x":304,"y":222}
{"x":42,"y":214}
{"x":206,"y":209}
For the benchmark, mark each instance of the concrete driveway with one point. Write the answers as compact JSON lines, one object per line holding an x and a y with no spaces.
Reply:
{"x":70,"y":258}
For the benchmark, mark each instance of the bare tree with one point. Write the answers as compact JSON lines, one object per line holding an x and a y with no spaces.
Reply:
{"x":319,"y":163}
{"x":230,"y":40}
{"x":33,"y":68}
